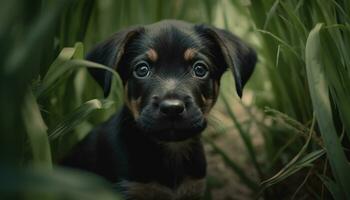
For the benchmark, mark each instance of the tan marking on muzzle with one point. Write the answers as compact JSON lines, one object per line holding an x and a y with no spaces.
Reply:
{"x":210,"y":102}
{"x":189,"y":54}
{"x":132,"y":104}
{"x":152,"y":55}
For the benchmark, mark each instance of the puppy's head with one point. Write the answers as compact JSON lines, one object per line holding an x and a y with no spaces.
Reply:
{"x":171,"y":73}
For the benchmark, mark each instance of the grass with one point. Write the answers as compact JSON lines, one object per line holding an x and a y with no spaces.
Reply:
{"x":299,"y":94}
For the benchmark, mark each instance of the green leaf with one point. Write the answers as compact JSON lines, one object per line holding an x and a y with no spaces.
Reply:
{"x":322,"y":108}
{"x":51,"y":80}
{"x":36,"y":183}
{"x":332,"y":187}
{"x":40,"y":30}
{"x":36,"y":132}
{"x":79,"y":115}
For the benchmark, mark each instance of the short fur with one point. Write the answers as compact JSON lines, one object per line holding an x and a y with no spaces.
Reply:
{"x":147,"y":152}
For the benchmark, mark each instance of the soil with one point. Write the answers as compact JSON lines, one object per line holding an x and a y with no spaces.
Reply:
{"x":223,"y":182}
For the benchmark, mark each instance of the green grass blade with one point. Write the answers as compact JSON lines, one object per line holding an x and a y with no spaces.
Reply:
{"x":291,"y":168}
{"x":322,"y":108}
{"x":293,"y":124}
{"x":231,"y":164}
{"x":36,"y":132}
{"x":271,"y":13}
{"x":296,"y":164}
{"x":51,"y":80}
{"x":332,"y":187}
{"x":38,"y":183}
{"x":338,"y":76}
{"x":281,"y":41}
{"x":281,"y":174}
{"x":247,"y":140}
{"x":17,"y":61}
{"x":76,"y":117}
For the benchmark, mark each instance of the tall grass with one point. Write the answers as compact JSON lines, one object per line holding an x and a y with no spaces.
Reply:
{"x":306,"y":47}
{"x":299,"y":94}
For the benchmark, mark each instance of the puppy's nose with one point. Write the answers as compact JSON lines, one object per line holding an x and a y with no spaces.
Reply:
{"x":172,"y":107}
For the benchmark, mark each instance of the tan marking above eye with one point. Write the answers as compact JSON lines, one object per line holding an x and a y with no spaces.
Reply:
{"x":189,"y":54}
{"x":152,"y":55}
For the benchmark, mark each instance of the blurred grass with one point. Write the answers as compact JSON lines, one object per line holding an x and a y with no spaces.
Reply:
{"x":303,"y":76}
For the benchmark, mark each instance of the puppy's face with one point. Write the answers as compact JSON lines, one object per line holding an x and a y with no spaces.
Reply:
{"x":171,"y":81}
{"x":171,"y":72}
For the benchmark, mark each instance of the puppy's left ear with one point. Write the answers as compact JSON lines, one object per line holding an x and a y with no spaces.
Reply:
{"x":238,"y":55}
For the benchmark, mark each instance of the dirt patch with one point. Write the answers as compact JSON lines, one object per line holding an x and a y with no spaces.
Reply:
{"x":223,"y":182}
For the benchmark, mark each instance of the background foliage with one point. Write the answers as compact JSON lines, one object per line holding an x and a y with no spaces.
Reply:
{"x":297,"y":100}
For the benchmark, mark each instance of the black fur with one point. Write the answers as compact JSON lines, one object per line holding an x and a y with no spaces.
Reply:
{"x":131,"y":155}
{"x":137,"y":144}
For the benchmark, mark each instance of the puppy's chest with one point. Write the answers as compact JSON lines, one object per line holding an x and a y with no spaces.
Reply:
{"x":189,"y":189}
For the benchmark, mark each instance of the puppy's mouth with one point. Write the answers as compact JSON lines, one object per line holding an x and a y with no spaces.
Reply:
{"x":171,"y":129}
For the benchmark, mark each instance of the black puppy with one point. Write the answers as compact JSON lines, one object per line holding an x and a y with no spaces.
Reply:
{"x":171,"y":73}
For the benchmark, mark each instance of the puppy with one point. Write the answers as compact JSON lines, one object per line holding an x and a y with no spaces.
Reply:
{"x":171,"y":73}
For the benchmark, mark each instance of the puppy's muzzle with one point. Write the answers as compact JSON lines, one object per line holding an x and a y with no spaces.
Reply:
{"x":173,"y":116}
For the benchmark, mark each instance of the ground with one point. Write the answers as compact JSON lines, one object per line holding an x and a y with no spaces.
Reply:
{"x":226,"y":182}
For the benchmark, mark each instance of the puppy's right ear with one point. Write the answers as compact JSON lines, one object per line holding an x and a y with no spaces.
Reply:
{"x":237,"y":54}
{"x":109,"y":53}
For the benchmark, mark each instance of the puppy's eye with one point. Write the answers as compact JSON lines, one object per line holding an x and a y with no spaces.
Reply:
{"x":142,"y":70}
{"x":200,"y":69}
